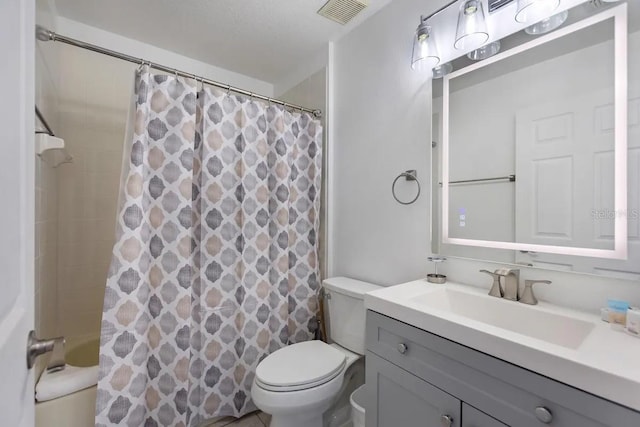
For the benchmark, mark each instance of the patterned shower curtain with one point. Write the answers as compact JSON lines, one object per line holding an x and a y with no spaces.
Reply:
{"x":215,"y":264}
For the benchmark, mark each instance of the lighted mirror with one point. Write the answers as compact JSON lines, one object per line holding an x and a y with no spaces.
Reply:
{"x":537,"y":149}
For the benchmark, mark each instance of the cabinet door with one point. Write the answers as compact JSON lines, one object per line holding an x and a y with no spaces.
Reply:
{"x":398,"y":398}
{"x":471,"y":417}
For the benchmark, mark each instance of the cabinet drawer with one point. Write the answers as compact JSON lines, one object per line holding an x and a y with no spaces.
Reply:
{"x":506,"y":392}
{"x":404,"y":400}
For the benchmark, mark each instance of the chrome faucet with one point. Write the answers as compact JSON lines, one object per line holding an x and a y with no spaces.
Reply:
{"x":510,"y":277}
{"x":496,"y":287}
{"x":528,"y":297}
{"x":506,"y":284}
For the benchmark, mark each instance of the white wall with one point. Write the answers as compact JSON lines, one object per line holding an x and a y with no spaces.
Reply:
{"x":294,"y":80}
{"x":380,"y":126}
{"x":155,"y":54}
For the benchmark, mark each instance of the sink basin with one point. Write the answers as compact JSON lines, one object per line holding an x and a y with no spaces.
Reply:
{"x":572,"y":347}
{"x":565,"y":331}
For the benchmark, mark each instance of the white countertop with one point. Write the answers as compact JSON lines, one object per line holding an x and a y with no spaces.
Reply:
{"x":606,"y":363}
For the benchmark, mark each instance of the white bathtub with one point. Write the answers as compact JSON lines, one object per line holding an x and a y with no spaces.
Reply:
{"x":75,"y":407}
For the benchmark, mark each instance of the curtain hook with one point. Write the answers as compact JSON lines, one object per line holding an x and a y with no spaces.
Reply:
{"x":228,"y":90}
{"x":269,"y":101}
{"x":175,"y":73}
{"x":142,"y":64}
{"x":251,"y":97}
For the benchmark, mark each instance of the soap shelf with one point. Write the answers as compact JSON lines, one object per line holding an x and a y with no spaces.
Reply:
{"x":47,"y":142}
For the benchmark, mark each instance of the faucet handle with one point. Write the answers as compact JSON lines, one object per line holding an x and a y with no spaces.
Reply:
{"x":506,"y":271}
{"x":496,"y":288}
{"x":528,"y":297}
{"x":489,"y":273}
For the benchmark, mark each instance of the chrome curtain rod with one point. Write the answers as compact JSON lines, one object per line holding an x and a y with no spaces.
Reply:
{"x":509,"y":178}
{"x":44,"y":34}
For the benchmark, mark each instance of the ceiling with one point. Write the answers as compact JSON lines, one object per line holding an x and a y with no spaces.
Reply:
{"x":264,"y":39}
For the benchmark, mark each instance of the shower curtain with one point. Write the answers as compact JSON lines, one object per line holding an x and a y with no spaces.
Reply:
{"x":215,"y":264}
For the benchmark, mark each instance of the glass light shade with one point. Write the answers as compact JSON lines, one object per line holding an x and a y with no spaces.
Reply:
{"x":531,"y":11}
{"x":425,"y":52}
{"x":485,"y":51}
{"x":471,"y":32}
{"x":442,"y":70}
{"x":547,"y":25}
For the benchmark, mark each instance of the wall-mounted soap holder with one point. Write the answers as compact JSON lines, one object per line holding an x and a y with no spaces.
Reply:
{"x":47,"y":142}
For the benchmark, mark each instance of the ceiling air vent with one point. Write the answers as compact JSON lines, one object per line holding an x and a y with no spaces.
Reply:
{"x":342,"y":11}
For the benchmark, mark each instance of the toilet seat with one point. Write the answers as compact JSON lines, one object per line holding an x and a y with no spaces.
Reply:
{"x":300,"y":366}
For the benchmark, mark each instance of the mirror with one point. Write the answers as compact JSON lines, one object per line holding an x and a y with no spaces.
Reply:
{"x":534,"y":162}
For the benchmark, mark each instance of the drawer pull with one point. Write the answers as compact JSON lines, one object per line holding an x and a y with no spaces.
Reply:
{"x":402,"y":348}
{"x":544,"y":415}
{"x":446,"y":421}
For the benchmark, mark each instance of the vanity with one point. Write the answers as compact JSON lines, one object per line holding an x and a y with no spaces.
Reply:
{"x":536,"y":169}
{"x":450,"y":355}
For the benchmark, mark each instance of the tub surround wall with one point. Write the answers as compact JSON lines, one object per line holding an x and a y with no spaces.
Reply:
{"x":94,"y":97}
{"x":380,"y":120}
{"x":46,"y":189}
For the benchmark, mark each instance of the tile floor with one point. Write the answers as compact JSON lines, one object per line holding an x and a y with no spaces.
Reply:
{"x":255,"y":419}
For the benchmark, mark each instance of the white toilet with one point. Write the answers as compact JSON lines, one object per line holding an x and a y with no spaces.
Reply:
{"x":299,"y":384}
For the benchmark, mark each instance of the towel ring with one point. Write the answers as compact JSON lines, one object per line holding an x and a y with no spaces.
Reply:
{"x":410,"y":175}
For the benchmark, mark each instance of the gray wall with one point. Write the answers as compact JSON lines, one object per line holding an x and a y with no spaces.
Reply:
{"x":381,"y":127}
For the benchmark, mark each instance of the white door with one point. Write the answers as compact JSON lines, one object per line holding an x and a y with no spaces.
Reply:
{"x":16,"y":209}
{"x":564,"y":190}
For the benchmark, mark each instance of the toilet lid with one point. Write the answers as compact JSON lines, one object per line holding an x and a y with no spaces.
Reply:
{"x":299,"y":366}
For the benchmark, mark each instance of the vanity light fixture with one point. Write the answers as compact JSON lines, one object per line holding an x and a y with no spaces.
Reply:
{"x":547,"y":25}
{"x":442,"y":70}
{"x":532,"y":11}
{"x":484,"y":52}
{"x":471,"y":32}
{"x":425,"y":51}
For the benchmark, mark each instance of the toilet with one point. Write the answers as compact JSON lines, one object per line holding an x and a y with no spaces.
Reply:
{"x":300,"y":385}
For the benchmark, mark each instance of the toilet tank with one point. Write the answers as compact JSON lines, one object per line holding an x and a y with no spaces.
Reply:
{"x":345,"y":308}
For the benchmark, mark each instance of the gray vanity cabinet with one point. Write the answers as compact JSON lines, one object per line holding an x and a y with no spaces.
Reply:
{"x":471,"y":417}
{"x":406,"y":400}
{"x":414,"y":378}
